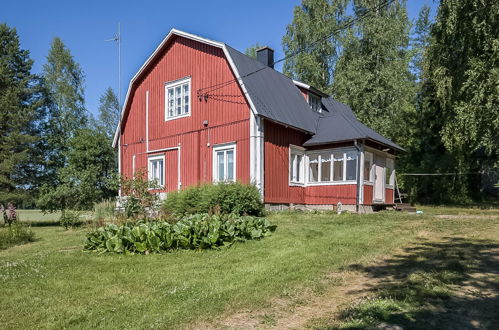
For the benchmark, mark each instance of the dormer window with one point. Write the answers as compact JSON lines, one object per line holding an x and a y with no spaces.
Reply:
{"x":315,"y":102}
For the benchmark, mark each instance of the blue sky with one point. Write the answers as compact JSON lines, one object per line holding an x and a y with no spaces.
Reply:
{"x":84,"y":25}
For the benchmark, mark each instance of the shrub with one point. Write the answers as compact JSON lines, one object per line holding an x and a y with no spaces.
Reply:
{"x":139,"y":201}
{"x":70,"y":219}
{"x":17,"y":233}
{"x":200,"y":231}
{"x":223,"y":198}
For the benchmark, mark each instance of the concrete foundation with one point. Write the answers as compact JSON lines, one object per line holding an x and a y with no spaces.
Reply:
{"x":319,"y":207}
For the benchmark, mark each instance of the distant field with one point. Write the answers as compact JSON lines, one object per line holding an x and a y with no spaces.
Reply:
{"x":38,"y":217}
{"x":35,"y":216}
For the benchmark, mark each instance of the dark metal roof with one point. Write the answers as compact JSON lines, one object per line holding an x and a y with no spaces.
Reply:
{"x":276,"y":97}
{"x":340,"y":124}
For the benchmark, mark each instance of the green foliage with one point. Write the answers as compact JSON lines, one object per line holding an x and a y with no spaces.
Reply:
{"x":251,"y":50}
{"x":308,"y":36}
{"x":88,"y":177}
{"x":64,"y":84}
{"x":70,"y":219}
{"x":373,"y":73}
{"x":459,"y":118}
{"x":200,"y":231}
{"x":109,"y":112}
{"x":223,"y":198}
{"x":17,"y":233}
{"x":18,"y":114}
{"x":138,"y":201}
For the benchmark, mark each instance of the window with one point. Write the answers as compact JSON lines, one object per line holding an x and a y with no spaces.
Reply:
{"x":224,"y":163}
{"x":325,"y":167}
{"x":338,"y":166}
{"x":368,"y":163}
{"x":177,"y":98}
{"x":296,"y":166}
{"x":313,"y":168}
{"x":389,"y":173}
{"x":157,"y":170}
{"x":351,"y":166}
{"x":315,"y":102}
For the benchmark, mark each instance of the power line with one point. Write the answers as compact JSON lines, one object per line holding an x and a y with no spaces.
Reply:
{"x":344,"y":26}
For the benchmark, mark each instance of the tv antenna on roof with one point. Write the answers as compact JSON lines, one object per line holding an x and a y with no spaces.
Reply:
{"x":117,"y":39}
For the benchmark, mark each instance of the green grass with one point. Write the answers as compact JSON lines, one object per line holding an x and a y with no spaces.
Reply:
{"x":51,"y":283}
{"x":37,"y":216}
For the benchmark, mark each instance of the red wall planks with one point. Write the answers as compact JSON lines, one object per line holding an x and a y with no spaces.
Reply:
{"x":368,"y":194}
{"x":228,"y":117}
{"x":389,"y":195}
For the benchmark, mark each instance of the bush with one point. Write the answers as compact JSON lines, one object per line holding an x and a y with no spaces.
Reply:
{"x":139,"y":200}
{"x":223,"y":198}
{"x":17,"y":233}
{"x":70,"y":219}
{"x":200,"y":231}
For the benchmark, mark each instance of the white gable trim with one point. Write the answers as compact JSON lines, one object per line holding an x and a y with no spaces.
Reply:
{"x":153,"y":55}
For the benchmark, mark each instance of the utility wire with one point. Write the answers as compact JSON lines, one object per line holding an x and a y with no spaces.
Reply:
{"x":344,"y":26}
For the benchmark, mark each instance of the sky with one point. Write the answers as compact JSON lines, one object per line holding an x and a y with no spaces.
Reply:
{"x":84,"y":25}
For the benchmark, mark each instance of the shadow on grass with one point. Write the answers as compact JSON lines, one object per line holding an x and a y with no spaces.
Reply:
{"x":453,"y":284}
{"x":47,"y":223}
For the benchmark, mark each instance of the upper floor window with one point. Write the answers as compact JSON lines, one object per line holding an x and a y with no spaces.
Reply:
{"x":315,"y":102}
{"x":224,"y":163}
{"x":156,"y":170}
{"x":177,"y":98}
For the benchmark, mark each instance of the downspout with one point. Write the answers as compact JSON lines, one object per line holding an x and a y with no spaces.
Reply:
{"x":357,"y":195}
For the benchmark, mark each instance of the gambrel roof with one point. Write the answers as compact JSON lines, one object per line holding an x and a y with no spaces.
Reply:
{"x":275,"y":96}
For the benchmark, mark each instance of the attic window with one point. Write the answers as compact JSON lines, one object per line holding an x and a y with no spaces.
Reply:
{"x":177,"y":99}
{"x":315,"y":102}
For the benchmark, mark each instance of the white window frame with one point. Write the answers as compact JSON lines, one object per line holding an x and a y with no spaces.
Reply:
{"x":313,"y":103}
{"x":293,"y":152}
{"x":369,"y":156}
{"x":391,"y":180}
{"x":150,"y":160}
{"x":224,"y":147}
{"x":344,"y":152}
{"x":174,"y":84}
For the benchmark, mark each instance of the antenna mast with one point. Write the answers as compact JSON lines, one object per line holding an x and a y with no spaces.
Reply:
{"x":117,"y":38}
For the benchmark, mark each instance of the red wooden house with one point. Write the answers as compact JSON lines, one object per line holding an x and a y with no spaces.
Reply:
{"x":200,"y":111}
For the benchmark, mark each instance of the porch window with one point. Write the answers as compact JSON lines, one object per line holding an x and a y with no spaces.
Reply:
{"x":325,"y":167}
{"x":338,"y":166}
{"x":351,"y":165}
{"x":177,"y":98}
{"x":389,"y":173}
{"x":296,"y":173}
{"x":156,"y":170}
{"x":368,"y":163}
{"x":313,"y":164}
{"x":224,"y":163}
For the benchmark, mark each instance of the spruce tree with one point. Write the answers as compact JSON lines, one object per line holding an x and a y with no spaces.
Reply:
{"x":18,"y":111}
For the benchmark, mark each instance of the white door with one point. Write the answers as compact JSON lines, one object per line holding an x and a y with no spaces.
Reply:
{"x":379,"y":179}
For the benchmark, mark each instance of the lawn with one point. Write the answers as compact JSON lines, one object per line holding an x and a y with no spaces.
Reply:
{"x":52,"y":283}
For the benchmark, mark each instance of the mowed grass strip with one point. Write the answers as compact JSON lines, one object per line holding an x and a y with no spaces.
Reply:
{"x":51,"y":283}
